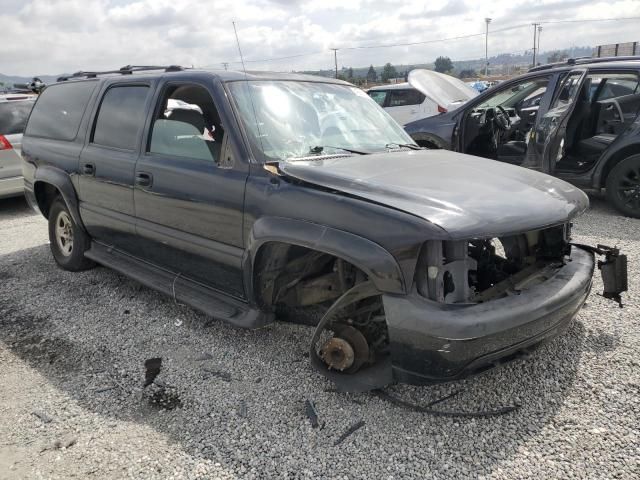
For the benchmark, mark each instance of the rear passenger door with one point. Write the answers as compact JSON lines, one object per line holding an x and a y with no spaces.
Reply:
{"x":189,"y":192}
{"x":108,"y":161}
{"x":405,"y":105}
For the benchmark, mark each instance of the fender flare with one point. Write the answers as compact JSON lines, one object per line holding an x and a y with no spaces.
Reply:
{"x":376,"y":262}
{"x":62,"y":182}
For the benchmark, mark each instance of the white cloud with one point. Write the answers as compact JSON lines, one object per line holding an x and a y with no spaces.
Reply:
{"x":40,"y":36}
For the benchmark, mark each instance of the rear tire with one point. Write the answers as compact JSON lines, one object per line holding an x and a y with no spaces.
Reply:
{"x":67,"y":239}
{"x":623,"y":186}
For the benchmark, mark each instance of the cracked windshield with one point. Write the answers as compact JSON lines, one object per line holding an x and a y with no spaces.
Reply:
{"x":290,"y":120}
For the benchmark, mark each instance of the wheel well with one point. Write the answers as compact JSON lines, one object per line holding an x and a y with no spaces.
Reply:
{"x":617,"y":158}
{"x":428,"y":141}
{"x":45,"y":195}
{"x":428,"y":144}
{"x":296,"y":276}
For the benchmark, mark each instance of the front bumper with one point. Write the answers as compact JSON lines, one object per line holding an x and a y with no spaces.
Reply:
{"x":433,"y":342}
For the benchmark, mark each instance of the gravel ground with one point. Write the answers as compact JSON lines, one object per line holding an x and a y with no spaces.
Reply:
{"x":72,"y":352}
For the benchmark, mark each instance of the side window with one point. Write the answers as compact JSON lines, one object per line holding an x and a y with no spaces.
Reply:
{"x":187,"y":124}
{"x":120,"y":117}
{"x":568,"y":90}
{"x":58,"y":110}
{"x":613,"y":85}
{"x":401,"y":98}
{"x":379,"y":96}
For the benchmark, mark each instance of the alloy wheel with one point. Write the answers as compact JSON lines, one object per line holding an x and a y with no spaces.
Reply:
{"x":64,"y":233}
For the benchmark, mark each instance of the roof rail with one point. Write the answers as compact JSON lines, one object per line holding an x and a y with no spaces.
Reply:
{"x":126,"y":70}
{"x":585,"y":60}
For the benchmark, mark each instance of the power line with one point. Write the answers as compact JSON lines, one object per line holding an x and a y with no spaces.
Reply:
{"x":436,"y":40}
{"x":547,"y":22}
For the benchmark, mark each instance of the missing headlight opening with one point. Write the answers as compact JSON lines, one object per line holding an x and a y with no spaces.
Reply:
{"x":479,"y":270}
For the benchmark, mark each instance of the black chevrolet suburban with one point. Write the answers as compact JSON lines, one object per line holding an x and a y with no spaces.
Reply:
{"x":255,"y":195}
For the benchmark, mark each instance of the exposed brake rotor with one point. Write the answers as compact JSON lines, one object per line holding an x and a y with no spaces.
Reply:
{"x":347,"y":351}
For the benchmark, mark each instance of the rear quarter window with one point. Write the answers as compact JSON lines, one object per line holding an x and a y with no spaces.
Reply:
{"x":14,"y":115}
{"x":59,"y":109}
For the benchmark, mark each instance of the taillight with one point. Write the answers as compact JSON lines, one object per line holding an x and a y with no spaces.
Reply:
{"x":4,"y":143}
{"x":441,"y":109}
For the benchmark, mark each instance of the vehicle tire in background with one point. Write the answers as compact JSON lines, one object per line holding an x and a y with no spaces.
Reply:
{"x":623,"y":186}
{"x":68,"y":241}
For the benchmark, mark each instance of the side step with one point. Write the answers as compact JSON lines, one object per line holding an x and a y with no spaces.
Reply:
{"x":200,"y":297}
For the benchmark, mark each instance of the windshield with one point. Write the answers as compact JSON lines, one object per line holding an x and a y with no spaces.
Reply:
{"x":510,"y":96}
{"x":291,"y":119}
{"x":13,"y":116}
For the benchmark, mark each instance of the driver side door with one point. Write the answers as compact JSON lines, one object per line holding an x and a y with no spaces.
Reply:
{"x":547,"y":145}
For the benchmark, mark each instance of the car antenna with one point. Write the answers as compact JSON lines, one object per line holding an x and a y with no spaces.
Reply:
{"x":246,"y":79}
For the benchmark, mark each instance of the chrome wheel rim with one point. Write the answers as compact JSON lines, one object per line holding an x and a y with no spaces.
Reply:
{"x":64,"y":233}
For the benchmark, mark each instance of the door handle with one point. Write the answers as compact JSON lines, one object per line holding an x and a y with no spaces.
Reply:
{"x":144,"y":179}
{"x":89,"y":169}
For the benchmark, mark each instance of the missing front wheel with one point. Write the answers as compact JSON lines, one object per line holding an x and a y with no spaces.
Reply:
{"x":350,"y":344}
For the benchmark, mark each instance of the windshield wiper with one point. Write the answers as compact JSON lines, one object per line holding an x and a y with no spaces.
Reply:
{"x":405,"y":145}
{"x":319,"y":149}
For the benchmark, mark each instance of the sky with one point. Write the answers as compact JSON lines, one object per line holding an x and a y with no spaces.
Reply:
{"x":56,"y":36}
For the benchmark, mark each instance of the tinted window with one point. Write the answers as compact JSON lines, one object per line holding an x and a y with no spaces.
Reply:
{"x":400,"y":98}
{"x":187,"y":124}
{"x":378,"y":96}
{"x":612,"y":85}
{"x":568,"y":90}
{"x":59,"y":109}
{"x":120,"y":117}
{"x":13,"y":116}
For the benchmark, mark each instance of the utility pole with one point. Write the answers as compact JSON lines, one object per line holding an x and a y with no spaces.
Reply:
{"x":539,"y":35}
{"x":335,"y":58}
{"x":225,"y":65}
{"x":486,"y":48}
{"x":535,"y":32}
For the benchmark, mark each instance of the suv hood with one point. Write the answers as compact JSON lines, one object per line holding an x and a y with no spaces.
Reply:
{"x":468,"y":197}
{"x":444,"y":90}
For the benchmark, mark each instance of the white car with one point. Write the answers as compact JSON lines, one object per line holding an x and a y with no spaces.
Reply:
{"x":427,"y":93}
{"x":14,"y":111}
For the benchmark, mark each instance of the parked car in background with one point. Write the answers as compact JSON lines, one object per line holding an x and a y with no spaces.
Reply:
{"x":578,"y":121}
{"x":14,"y":111}
{"x":248,"y":195}
{"x":427,"y":93}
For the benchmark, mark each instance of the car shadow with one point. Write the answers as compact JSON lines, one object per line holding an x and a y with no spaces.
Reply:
{"x":243,"y":392}
{"x":14,"y":207}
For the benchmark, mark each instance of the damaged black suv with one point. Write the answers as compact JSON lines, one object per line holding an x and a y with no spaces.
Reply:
{"x":577,"y":120}
{"x":254,"y":195}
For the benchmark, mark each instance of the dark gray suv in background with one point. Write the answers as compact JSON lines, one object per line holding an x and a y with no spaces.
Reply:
{"x":578,"y":121}
{"x":251,"y":195}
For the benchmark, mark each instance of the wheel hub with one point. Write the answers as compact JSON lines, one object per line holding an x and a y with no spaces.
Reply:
{"x":337,"y":354}
{"x":347,"y":351}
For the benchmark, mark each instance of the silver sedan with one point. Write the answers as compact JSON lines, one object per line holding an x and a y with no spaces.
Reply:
{"x":14,"y":111}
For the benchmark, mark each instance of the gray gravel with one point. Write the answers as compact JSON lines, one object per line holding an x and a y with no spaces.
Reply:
{"x":72,"y":349}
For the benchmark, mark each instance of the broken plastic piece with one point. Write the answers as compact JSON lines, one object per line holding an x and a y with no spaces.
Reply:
{"x":356,"y":426}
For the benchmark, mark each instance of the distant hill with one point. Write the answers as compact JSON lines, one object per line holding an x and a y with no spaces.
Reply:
{"x":476,"y":64}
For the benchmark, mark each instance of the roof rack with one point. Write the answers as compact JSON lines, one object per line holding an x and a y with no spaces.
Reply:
{"x":585,"y":60}
{"x":126,"y":70}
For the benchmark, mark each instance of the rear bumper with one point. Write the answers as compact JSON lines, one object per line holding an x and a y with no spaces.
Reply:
{"x":433,"y":342}
{"x":11,"y":187}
